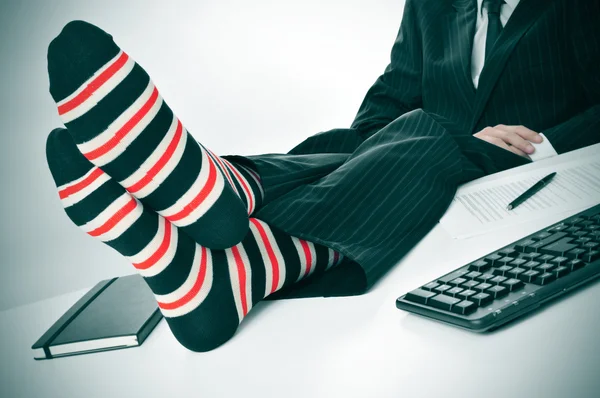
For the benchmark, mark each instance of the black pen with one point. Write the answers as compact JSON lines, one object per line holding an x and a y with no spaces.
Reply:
{"x":531,"y":191}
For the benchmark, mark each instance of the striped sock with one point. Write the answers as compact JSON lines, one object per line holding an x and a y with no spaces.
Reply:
{"x":121,"y":124}
{"x":203,"y":293}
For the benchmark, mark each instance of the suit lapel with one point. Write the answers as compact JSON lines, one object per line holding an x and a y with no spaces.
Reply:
{"x":523,"y":17}
{"x":460,"y":24}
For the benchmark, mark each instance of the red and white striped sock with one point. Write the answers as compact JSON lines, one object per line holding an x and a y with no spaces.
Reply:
{"x":203,"y":293}
{"x":121,"y":124}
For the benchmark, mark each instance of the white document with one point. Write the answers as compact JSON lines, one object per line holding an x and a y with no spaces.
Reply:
{"x":480,"y":205}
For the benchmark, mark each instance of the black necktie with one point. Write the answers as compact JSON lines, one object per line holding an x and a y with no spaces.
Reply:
{"x":494,"y":25}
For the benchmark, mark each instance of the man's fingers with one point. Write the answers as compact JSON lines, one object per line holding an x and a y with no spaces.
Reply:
{"x":492,"y":140}
{"x":510,"y":136}
{"x":524,"y":132}
{"x":499,"y":142}
{"x":517,"y":151}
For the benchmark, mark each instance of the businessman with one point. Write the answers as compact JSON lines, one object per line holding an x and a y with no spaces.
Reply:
{"x":473,"y":87}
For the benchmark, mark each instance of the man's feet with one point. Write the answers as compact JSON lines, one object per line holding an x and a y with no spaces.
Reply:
{"x":204,"y":294}
{"x":121,"y":124}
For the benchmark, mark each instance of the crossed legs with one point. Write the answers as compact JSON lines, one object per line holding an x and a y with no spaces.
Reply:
{"x":130,"y":175}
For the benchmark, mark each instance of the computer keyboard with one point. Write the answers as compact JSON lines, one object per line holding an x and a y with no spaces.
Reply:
{"x":515,"y":279}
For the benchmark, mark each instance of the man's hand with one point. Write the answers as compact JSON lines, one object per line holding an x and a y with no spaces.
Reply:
{"x":516,"y":139}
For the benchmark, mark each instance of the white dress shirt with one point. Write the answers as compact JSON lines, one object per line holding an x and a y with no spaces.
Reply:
{"x":543,"y":149}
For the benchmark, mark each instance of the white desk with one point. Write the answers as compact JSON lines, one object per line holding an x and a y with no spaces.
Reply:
{"x":342,"y":347}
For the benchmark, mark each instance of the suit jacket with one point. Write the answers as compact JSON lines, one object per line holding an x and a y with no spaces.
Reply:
{"x":543,"y":73}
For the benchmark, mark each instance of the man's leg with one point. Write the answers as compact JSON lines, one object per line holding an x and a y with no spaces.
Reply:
{"x":121,"y":124}
{"x":203,"y":293}
{"x":377,"y":205}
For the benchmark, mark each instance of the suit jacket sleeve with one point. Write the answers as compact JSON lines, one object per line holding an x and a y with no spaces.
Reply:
{"x":583,"y":129}
{"x":398,"y":89}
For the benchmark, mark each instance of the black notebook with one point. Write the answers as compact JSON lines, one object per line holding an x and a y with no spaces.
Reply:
{"x":116,"y":313}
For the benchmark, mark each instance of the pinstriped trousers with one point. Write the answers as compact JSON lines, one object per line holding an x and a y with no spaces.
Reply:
{"x":371,"y":199}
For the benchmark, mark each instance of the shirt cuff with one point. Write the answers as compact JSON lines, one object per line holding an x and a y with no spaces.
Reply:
{"x":543,"y":150}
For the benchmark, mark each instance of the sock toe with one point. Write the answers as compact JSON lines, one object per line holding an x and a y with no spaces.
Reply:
{"x":65,"y":162}
{"x":75,"y":55}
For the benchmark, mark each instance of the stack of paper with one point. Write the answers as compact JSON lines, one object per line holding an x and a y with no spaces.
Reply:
{"x":480,"y":205}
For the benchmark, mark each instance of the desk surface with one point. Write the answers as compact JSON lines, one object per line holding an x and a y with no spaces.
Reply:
{"x":338,"y":347}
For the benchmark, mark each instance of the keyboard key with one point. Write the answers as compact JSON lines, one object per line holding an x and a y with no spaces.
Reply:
{"x":443,"y":302}
{"x":534,"y":247}
{"x":473,"y":275}
{"x":595,"y":227}
{"x":513,"y":284}
{"x":544,"y":278}
{"x":561,"y":271}
{"x":579,"y":234}
{"x":479,"y":266}
{"x":574,"y":221}
{"x":457,"y":281}
{"x":464,"y":307}
{"x":493,"y":257}
{"x":497,"y":291}
{"x":559,"y":248}
{"x":482,"y":286}
{"x":575,"y":253}
{"x":546,"y":267}
{"x":591,"y":256}
{"x":529,"y":276}
{"x":590,"y":245}
{"x":523,"y":245}
{"x":465,"y":294}
{"x":558,"y":227}
{"x":540,"y":236}
{"x":485,"y":277}
{"x":582,"y":241}
{"x":570,"y":230}
{"x":497,"y":279}
{"x":518,"y":262}
{"x":515,"y":272}
{"x":503,"y":261}
{"x":544,"y":258}
{"x":530,"y":264}
{"x":419,"y":296}
{"x":481,"y":298}
{"x":470,"y":284}
{"x":508,"y":252}
{"x":559,"y":260}
{"x":453,"y":275}
{"x":430,"y":286}
{"x":501,"y":270}
{"x":454,"y":291}
{"x":575,"y":264}
{"x":442,"y":288}
{"x":530,"y":256}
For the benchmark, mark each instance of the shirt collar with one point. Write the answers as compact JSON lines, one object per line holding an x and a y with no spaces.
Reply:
{"x":512,"y":3}
{"x":509,"y":3}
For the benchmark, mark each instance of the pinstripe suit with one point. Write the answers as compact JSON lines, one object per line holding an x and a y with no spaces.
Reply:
{"x":372,"y":191}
